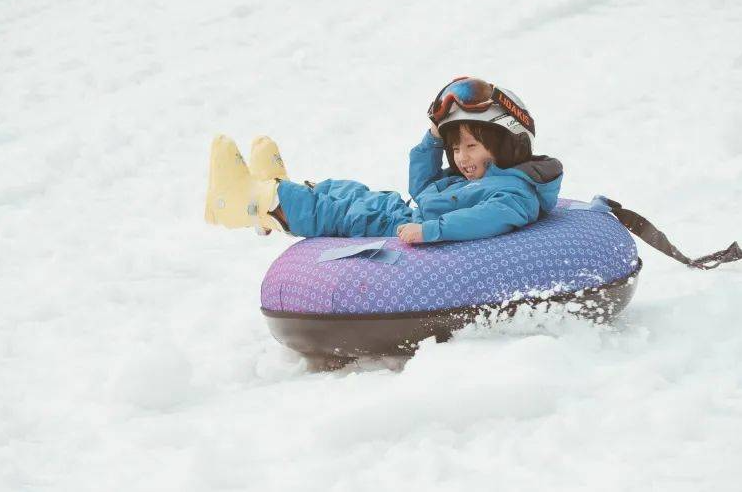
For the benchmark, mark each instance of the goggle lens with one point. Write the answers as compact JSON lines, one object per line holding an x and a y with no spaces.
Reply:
{"x":468,"y":93}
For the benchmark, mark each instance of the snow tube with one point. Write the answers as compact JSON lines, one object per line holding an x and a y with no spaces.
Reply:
{"x":384,"y":305}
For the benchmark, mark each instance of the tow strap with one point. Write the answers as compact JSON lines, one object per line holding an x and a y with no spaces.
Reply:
{"x":642,"y":228}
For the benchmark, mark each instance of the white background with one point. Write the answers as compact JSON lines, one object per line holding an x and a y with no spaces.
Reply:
{"x":132,"y":351}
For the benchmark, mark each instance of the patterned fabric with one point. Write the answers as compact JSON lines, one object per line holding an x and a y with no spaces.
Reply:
{"x":569,"y":249}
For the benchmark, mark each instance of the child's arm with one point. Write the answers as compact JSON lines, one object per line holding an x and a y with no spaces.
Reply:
{"x":426,"y":163}
{"x":506,"y":210}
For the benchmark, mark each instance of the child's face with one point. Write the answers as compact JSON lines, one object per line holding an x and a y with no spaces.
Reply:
{"x":470,"y":155}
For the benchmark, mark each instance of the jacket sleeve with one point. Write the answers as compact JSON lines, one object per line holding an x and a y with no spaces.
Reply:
{"x":501,"y":213}
{"x":425,"y":164}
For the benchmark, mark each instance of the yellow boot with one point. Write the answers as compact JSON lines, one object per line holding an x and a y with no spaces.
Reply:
{"x":266,"y":163}
{"x":265,"y":159}
{"x":235,"y":198}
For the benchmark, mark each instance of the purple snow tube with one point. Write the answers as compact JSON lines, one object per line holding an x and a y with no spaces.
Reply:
{"x":355,"y":306}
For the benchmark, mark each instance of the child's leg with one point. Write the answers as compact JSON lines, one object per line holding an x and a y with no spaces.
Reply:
{"x":341,"y":208}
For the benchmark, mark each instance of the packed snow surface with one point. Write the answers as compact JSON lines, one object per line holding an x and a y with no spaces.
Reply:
{"x":132,"y":351}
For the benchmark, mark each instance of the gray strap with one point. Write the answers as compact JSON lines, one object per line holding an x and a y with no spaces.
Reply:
{"x":642,"y":228}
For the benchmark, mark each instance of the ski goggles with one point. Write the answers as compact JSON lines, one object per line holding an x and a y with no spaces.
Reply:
{"x":476,"y":96}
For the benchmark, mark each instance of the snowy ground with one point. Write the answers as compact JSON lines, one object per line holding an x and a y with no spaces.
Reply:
{"x":132,"y":351}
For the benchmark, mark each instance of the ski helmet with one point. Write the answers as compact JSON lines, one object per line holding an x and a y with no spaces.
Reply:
{"x":476,"y":100}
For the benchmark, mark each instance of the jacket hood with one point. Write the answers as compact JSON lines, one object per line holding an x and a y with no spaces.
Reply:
{"x":542,"y":172}
{"x":541,"y":169}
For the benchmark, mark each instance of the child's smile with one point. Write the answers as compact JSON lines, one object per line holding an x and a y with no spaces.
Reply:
{"x":470,"y":156}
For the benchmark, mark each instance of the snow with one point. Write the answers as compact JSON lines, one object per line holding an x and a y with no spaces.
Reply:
{"x":132,"y":351}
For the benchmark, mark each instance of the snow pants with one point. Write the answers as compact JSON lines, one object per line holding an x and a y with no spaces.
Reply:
{"x":341,"y":208}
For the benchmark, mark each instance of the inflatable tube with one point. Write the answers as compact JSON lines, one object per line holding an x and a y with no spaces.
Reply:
{"x":357,"y":306}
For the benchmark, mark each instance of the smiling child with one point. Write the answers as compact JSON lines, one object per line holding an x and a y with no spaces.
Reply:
{"x":493,"y":184}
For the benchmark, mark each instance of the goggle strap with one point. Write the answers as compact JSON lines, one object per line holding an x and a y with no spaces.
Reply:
{"x":515,"y":111}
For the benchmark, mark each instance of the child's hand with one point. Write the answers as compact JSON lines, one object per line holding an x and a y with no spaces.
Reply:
{"x":434,"y":131}
{"x":410,"y":233}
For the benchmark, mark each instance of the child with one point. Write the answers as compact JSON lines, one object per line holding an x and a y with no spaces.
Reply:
{"x":493,"y":184}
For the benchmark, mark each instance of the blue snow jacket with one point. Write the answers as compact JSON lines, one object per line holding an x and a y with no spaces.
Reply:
{"x":450,"y":207}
